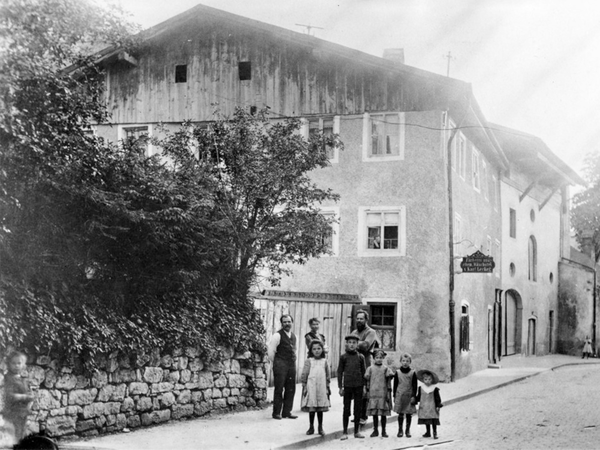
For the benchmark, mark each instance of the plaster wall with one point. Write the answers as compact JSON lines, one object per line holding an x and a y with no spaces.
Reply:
{"x":539,"y":297}
{"x":478,"y":228}
{"x":417,"y":282}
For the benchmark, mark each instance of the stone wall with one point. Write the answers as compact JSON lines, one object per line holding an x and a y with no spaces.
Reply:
{"x":130,"y":392}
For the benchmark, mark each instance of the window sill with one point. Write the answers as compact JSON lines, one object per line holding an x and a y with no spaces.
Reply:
{"x":383,"y":158}
{"x":380,"y":253}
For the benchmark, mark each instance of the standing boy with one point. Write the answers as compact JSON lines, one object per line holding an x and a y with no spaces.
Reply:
{"x":351,"y":381}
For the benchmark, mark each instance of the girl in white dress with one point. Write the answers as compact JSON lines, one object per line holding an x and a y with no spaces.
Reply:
{"x":315,"y":386}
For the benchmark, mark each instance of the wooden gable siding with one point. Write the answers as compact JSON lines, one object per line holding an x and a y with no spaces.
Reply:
{"x":291,"y":79}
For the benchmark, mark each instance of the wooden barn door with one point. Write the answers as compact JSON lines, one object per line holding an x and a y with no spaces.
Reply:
{"x":335,"y":318}
{"x":335,"y":324}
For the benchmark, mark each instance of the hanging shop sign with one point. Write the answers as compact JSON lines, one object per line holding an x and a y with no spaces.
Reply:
{"x":477,"y":263}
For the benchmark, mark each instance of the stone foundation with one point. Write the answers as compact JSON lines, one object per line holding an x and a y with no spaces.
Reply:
{"x":130,"y":392}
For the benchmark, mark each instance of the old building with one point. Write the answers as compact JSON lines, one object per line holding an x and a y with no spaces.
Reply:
{"x":535,"y":245}
{"x":422,"y":181}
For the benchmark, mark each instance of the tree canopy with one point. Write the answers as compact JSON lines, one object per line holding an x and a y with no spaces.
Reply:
{"x":103,"y":248}
{"x":585,"y":214}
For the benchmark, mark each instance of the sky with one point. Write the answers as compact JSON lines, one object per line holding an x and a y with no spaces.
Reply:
{"x":534,"y":65}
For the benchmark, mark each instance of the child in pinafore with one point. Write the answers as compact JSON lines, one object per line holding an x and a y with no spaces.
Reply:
{"x":378,"y":378}
{"x":17,"y":395}
{"x":587,"y":348}
{"x":315,"y":380}
{"x":405,"y":389}
{"x":430,"y":402}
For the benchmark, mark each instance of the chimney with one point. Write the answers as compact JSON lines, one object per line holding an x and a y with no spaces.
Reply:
{"x":394,"y":54}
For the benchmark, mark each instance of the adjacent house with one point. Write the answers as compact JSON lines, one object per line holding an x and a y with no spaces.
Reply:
{"x":424,"y":179}
{"x":535,"y":245}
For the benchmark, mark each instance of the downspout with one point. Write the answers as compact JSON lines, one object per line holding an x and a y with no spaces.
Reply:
{"x":451,"y":302}
{"x":594,"y":299}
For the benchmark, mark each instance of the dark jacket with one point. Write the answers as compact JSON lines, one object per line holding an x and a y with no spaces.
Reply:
{"x":351,"y":370}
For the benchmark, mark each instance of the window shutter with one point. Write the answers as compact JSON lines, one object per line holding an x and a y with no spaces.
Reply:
{"x":366,"y":135}
{"x":304,"y":128}
{"x":401,"y":133}
{"x":470,"y":332}
{"x":336,"y":124}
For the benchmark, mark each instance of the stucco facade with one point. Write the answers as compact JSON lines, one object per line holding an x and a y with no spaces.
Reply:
{"x":530,"y":271}
{"x":415,"y":280}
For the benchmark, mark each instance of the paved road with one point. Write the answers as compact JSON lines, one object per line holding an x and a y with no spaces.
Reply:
{"x":557,"y":410}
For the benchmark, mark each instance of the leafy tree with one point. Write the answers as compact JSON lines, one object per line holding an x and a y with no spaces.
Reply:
{"x":103,"y":248}
{"x":264,"y":199}
{"x":585,"y":214}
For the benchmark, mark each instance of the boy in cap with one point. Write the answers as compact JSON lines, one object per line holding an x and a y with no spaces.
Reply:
{"x":351,"y":382}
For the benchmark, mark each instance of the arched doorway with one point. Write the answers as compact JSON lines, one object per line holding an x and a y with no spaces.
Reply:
{"x":513,"y":308}
{"x":531,"y":337}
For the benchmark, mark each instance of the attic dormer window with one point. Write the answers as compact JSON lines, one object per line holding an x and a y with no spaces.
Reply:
{"x":245,"y":70}
{"x":181,"y":73}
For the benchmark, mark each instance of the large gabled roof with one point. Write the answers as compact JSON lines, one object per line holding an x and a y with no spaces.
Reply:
{"x":300,"y":39}
{"x":531,"y":155}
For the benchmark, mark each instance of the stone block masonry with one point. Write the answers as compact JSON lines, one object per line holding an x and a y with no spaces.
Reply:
{"x":141,"y":390}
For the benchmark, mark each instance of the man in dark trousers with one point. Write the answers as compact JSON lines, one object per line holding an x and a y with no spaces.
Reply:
{"x":367,"y":342}
{"x":282,"y":353}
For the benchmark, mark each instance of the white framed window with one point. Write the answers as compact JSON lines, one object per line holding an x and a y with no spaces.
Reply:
{"x":453,"y":150}
{"x":382,"y":231}
{"x":383,"y":137}
{"x":139,"y":133}
{"x":383,"y":321}
{"x":328,"y":126}
{"x":332,"y":239}
{"x":485,"y":184}
{"x":457,"y":229}
{"x":475,"y":169}
{"x":496,"y":192}
{"x":461,"y":148}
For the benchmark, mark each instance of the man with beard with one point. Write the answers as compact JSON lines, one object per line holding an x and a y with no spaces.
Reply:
{"x":367,"y":342}
{"x":282,"y":353}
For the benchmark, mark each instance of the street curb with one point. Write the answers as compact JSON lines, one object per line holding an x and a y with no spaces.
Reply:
{"x":309,"y":442}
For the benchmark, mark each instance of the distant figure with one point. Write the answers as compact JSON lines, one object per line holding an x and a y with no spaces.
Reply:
{"x":367,"y":342}
{"x":314,"y":334}
{"x":405,"y":391}
{"x":379,"y":391}
{"x":282,"y":353}
{"x":315,"y":386}
{"x":17,"y":395}
{"x":430,"y":402}
{"x":587,"y":348}
{"x":351,"y":381}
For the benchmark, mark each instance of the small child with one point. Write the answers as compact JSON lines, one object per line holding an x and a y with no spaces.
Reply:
{"x":17,"y":395}
{"x":430,"y":402}
{"x":405,"y":391}
{"x":587,"y":348}
{"x":315,"y":386}
{"x":378,"y":378}
{"x":351,"y":381}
